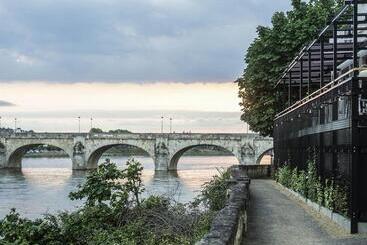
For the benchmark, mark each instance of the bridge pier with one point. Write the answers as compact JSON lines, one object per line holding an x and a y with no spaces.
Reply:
{"x":79,"y":162}
{"x":161,"y":163}
{"x":2,"y":160}
{"x":248,"y":160}
{"x":161,"y":155}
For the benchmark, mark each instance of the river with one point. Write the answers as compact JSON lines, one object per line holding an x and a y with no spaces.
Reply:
{"x":43,"y":184}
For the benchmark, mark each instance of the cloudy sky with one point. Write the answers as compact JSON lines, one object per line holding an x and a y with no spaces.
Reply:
{"x":110,"y":59}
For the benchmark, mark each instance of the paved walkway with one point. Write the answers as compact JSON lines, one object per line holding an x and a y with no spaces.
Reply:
{"x":276,"y":218}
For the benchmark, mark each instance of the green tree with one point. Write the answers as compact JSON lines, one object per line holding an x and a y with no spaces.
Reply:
{"x":101,"y":185}
{"x":133,"y":183}
{"x":271,"y":51}
{"x":110,"y":186}
{"x":95,"y":131}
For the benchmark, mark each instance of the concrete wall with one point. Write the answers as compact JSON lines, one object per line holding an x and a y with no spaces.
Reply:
{"x":230,"y":224}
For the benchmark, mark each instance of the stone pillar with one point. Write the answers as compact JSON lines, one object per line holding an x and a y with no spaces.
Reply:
{"x":78,"y":158}
{"x":247,"y":155}
{"x":161,"y":155}
{"x":248,"y":160}
{"x":2,"y":156}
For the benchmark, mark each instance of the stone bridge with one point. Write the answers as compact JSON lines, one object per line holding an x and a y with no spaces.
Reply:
{"x":166,"y":149}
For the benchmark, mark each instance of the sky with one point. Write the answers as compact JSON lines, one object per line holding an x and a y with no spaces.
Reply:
{"x":126,"y":63}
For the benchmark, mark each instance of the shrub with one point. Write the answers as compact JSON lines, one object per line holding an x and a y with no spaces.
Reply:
{"x":302,"y":183}
{"x":319,"y":192}
{"x":312,"y":181}
{"x":310,"y":185}
{"x":214,"y":192}
{"x":285,"y":176}
{"x":329,"y":194}
{"x":294,"y":179}
{"x":114,"y":213}
{"x":341,"y":199}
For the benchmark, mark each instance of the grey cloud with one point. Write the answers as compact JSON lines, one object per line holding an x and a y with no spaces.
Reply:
{"x":128,"y":41}
{"x":5,"y":103}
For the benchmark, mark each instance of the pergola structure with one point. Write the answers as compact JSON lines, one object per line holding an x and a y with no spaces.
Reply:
{"x":324,"y":114}
{"x":316,"y":65}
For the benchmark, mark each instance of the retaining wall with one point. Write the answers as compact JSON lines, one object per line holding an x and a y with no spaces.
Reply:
{"x":256,"y":171}
{"x":230,"y":224}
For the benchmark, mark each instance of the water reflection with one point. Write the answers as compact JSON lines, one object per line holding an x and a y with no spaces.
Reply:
{"x":43,"y":184}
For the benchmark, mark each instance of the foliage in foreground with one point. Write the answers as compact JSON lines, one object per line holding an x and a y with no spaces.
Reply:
{"x":326,"y":193}
{"x":270,"y":52}
{"x":114,"y":213}
{"x":214,"y":192}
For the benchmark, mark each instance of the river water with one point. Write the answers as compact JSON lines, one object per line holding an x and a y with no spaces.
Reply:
{"x":43,"y":184}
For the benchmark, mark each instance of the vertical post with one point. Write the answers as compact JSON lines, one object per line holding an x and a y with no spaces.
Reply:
{"x":91,"y":123}
{"x":79,"y":124}
{"x":335,"y":50}
{"x":162,"y":124}
{"x":321,"y":62}
{"x":170,"y":125}
{"x":354,"y":124}
{"x":15,"y":125}
{"x":284,"y":95}
{"x":301,"y":80}
{"x":289,"y":89}
{"x":309,"y":72}
{"x":0,"y":123}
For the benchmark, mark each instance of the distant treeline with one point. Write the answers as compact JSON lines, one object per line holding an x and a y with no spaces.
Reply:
{"x":115,"y":131}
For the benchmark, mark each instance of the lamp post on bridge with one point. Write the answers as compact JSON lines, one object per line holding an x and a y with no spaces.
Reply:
{"x":170,"y":125}
{"x":15,"y":125}
{"x":79,"y":124}
{"x":91,"y":123}
{"x":162,"y":124}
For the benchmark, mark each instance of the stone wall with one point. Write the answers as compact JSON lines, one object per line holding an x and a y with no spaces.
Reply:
{"x":256,"y":171}
{"x":230,"y":224}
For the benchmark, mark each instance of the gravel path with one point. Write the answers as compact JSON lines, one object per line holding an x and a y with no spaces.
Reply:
{"x":276,"y":218}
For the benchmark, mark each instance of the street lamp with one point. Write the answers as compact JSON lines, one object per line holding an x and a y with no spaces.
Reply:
{"x":162,"y":124}
{"x":91,"y":123}
{"x":170,"y":125}
{"x":79,"y":124}
{"x":15,"y":125}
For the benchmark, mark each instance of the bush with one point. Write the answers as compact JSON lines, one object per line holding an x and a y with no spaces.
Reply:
{"x":114,"y":213}
{"x":310,"y":185}
{"x":319,"y":192}
{"x":301,"y":186}
{"x":312,"y":180}
{"x":341,"y":199}
{"x":214,"y":193}
{"x":284,"y":175}
{"x":294,"y":179}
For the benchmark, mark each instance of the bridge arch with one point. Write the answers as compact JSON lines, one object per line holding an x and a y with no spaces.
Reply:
{"x":175,"y":157}
{"x":15,"y":156}
{"x":263,"y":153}
{"x":96,"y":154}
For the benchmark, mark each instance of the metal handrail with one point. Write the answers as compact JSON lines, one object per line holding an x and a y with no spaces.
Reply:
{"x":331,"y":85}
